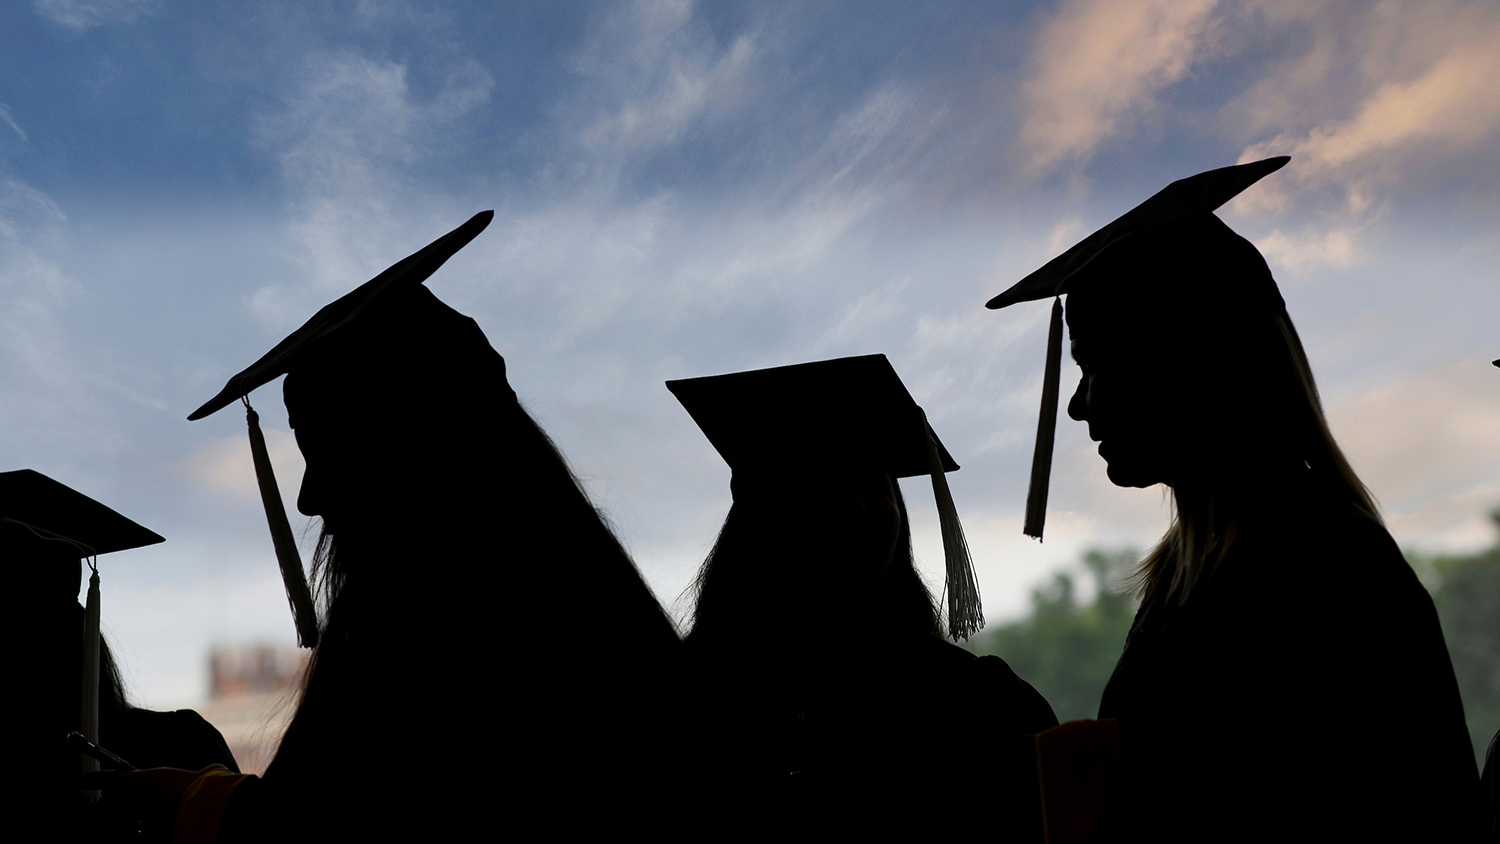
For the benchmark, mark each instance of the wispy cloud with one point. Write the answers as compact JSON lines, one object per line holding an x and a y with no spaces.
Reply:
{"x":1315,"y":248}
{"x":83,"y":14}
{"x":1099,"y":63}
{"x":1429,"y":447}
{"x":10,"y":121}
{"x":346,"y":135}
{"x":43,"y":399}
{"x":661,"y":73}
{"x":1425,"y":92}
{"x":223,"y":466}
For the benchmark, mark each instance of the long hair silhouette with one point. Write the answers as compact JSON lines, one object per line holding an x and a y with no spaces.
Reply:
{"x":794,"y":564}
{"x":467,"y":589}
{"x":825,"y":700}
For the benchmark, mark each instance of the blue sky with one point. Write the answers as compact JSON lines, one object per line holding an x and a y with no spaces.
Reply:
{"x":685,"y":189}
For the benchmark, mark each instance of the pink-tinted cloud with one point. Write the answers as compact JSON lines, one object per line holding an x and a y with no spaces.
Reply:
{"x":1098,"y":63}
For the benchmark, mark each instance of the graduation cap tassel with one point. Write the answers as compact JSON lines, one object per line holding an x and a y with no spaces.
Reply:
{"x":88,"y":704}
{"x":292,"y":575}
{"x":1046,"y":429}
{"x":965,"y":614}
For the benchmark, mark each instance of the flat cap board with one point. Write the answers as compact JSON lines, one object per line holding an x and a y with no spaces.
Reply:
{"x":38,"y":501}
{"x":831,"y":412}
{"x":408,"y":272}
{"x":1183,"y":199}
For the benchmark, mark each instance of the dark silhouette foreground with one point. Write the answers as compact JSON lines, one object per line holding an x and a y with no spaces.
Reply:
{"x":46,"y":531}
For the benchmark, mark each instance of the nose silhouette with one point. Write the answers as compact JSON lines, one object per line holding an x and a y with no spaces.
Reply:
{"x":310,"y":496}
{"x":1078,"y":404}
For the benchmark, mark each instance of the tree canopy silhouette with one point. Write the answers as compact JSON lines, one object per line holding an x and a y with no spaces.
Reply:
{"x":1467,"y":594}
{"x":1067,"y":648}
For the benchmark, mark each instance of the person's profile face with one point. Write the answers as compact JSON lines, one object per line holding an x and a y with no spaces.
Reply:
{"x":318,"y":495}
{"x":336,"y":485}
{"x":1128,"y":404}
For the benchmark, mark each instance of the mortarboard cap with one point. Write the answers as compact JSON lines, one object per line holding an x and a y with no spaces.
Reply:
{"x":845,"y":410}
{"x":1183,"y":199}
{"x":404,"y":274}
{"x":56,"y":511}
{"x":836,"y":413}
{"x":1187,"y":204}
{"x":338,"y":320}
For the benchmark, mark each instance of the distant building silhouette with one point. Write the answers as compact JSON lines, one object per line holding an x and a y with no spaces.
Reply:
{"x":252,"y":694}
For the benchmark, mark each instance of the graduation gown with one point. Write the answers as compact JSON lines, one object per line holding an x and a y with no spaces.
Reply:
{"x":495,"y":725}
{"x":1306,"y":694}
{"x":899,"y":738}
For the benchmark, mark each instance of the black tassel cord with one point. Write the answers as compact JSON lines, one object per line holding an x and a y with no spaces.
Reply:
{"x":1046,"y":429}
{"x":292,"y":575}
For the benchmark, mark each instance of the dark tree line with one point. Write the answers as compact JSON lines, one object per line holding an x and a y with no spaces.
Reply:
{"x":1467,"y":592}
{"x":1067,"y":648}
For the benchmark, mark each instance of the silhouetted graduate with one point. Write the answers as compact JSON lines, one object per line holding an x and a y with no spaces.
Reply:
{"x":1285,"y":677}
{"x":488,"y":657}
{"x":826,"y":702}
{"x":63,"y":677}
